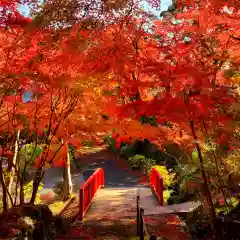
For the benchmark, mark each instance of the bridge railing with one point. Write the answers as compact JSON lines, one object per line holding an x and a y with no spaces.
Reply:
{"x":88,"y":191}
{"x":156,"y":182}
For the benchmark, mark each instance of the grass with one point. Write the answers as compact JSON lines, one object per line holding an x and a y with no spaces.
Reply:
{"x":57,"y":206}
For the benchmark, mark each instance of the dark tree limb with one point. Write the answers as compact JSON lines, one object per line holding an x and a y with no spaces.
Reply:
{"x":235,"y":38}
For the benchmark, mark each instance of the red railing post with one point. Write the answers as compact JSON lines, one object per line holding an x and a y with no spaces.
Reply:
{"x":102,"y":179}
{"x":81,"y":203}
{"x":161,"y":190}
{"x":156,"y":182}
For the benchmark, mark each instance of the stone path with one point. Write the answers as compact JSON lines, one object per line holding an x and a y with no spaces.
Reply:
{"x":151,"y":206}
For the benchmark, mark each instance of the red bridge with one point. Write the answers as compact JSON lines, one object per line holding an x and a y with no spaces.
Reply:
{"x":111,"y":196}
{"x":91,"y":192}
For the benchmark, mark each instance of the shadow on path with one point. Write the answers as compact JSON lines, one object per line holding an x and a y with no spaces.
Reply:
{"x":115,"y":175}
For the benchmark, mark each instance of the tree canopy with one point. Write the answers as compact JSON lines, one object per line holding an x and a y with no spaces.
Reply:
{"x":95,"y":66}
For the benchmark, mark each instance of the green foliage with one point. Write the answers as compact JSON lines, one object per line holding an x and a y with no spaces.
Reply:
{"x":196,"y":219}
{"x":128,"y":151}
{"x":71,"y":150}
{"x":194,"y":155}
{"x":229,"y":73}
{"x":168,"y":176}
{"x":188,"y":175}
{"x":27,"y":156}
{"x":166,"y":195}
{"x":233,"y":160}
{"x":141,"y":162}
{"x":136,"y":161}
{"x":225,"y":208}
{"x":151,"y":151}
{"x":58,"y":188}
{"x":110,"y":143}
{"x":29,"y":153}
{"x":187,"y":185}
{"x":87,"y":143}
{"x":144,"y":148}
{"x":149,"y":120}
{"x":138,"y":147}
{"x":27,"y":189}
{"x":105,"y":116}
{"x":198,"y":215}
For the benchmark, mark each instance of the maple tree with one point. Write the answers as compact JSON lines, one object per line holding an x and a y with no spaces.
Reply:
{"x":186,"y":64}
{"x":185,"y":74}
{"x":32,"y":61}
{"x":93,"y":14}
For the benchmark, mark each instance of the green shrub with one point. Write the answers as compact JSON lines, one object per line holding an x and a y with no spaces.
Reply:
{"x":166,"y":195}
{"x":173,"y":199}
{"x":137,"y":147}
{"x":148,"y":149}
{"x":141,"y":162}
{"x":58,"y":188}
{"x":198,"y":223}
{"x":29,"y":152}
{"x":110,"y":143}
{"x":187,"y":186}
{"x":128,"y":151}
{"x":27,"y":189}
{"x":189,"y":181}
{"x":136,"y":161}
{"x":225,"y":208}
{"x":168,"y":176}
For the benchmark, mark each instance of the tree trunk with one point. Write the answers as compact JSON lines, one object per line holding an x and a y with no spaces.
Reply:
{"x":14,"y":161}
{"x":67,"y":185}
{"x":21,"y":195}
{"x":4,"y":189}
{"x":34,"y":192}
{"x":207,"y":192}
{"x":36,"y":184}
{"x":217,"y":166}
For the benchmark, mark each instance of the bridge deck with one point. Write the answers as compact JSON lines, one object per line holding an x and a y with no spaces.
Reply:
{"x":113,"y":203}
{"x":119,"y":203}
